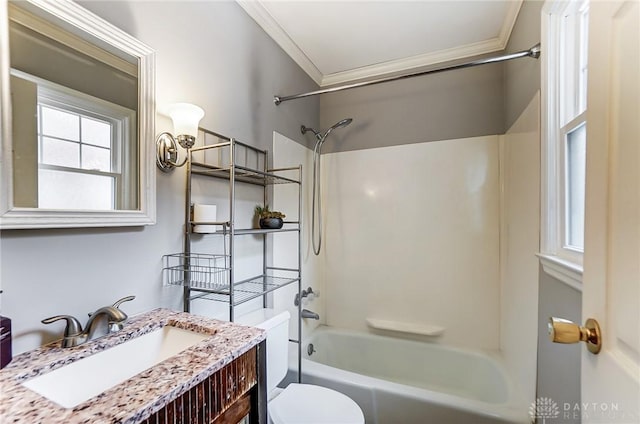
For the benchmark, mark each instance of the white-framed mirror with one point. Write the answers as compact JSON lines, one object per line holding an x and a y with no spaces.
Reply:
{"x":77,"y":120}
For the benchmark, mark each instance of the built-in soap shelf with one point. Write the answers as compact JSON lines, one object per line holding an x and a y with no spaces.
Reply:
{"x":405,"y":327}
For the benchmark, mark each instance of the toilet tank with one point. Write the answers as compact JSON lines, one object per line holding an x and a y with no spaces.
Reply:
{"x":276,"y":324}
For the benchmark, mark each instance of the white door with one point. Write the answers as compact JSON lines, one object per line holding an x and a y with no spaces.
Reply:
{"x":611,"y":291}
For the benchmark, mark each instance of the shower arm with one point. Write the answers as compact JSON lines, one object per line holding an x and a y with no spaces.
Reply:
{"x":533,"y":52}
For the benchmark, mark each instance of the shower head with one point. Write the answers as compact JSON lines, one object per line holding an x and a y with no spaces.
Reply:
{"x":339,"y":124}
{"x":322,"y":137}
{"x":342,"y":123}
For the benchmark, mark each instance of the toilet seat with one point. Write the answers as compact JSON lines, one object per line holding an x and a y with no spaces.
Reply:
{"x":310,"y":404}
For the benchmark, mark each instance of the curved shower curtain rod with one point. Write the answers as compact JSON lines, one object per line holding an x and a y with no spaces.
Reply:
{"x":533,"y":52}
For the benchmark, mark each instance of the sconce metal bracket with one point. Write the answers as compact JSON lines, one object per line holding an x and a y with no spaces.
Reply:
{"x":166,"y":152}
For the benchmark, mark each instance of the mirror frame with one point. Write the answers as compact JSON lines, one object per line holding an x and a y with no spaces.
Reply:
{"x":87,"y":25}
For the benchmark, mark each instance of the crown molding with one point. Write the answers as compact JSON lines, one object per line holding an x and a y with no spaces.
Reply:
{"x":265,"y":20}
{"x":261,"y":15}
{"x":509,"y":22}
{"x":412,"y":63}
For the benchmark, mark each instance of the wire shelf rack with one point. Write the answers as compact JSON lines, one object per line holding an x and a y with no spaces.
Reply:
{"x":241,"y":173}
{"x":215,"y":277}
{"x":196,"y":270}
{"x":244,"y":291}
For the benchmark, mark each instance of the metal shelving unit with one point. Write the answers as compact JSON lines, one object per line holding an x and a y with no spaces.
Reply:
{"x":213,"y":276}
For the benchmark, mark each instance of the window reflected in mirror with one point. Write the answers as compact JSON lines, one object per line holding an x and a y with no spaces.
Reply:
{"x":74,"y":121}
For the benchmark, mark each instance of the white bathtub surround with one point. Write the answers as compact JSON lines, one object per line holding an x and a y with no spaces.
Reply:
{"x":438,"y":239}
{"x":519,"y":242}
{"x":412,"y":235}
{"x":287,"y":153}
{"x":404,"y":381}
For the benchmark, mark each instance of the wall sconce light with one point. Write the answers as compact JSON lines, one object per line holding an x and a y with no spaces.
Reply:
{"x":186,"y":118}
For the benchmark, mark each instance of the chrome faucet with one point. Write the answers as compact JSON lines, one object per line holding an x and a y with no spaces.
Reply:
{"x":74,"y":335}
{"x":309,"y":314}
{"x":115,"y":316}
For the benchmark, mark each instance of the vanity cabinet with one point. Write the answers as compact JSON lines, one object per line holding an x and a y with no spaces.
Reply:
{"x":219,"y":379}
{"x":228,"y":396}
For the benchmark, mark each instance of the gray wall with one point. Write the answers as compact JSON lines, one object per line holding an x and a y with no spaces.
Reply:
{"x":559,"y":364}
{"x":208,"y":53}
{"x":522,"y":76}
{"x":483,"y":100}
{"x":213,"y":54}
{"x":456,"y":104}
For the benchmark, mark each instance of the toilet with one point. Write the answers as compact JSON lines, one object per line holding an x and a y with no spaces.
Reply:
{"x":297,"y":403}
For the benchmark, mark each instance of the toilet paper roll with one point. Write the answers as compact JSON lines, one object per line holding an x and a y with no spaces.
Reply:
{"x":205,"y":213}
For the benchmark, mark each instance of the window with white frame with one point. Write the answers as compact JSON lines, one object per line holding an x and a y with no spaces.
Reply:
{"x":565,"y":103}
{"x":83,"y":159}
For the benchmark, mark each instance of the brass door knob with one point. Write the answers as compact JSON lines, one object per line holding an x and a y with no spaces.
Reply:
{"x":565,"y":331}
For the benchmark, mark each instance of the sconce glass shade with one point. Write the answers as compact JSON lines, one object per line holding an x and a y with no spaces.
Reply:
{"x":186,"y":118}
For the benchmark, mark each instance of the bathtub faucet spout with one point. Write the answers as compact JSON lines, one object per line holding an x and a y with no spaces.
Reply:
{"x":309,"y":314}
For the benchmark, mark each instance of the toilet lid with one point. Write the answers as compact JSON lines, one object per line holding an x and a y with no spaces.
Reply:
{"x":309,"y":404}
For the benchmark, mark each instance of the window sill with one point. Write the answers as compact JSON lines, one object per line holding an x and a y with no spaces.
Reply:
{"x":568,"y":272}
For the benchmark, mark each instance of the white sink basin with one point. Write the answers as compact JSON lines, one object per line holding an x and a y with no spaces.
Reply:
{"x":81,"y":380}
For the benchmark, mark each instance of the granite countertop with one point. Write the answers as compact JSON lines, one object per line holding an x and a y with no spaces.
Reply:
{"x":138,"y":397}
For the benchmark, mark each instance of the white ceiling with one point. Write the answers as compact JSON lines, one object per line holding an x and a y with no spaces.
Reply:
{"x":343,"y":41}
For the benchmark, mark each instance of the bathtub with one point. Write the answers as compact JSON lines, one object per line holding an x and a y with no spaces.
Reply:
{"x":397,"y":381}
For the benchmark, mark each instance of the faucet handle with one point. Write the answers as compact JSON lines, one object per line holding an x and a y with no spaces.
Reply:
{"x":121,"y":301}
{"x":73,"y":334}
{"x":73,"y":327}
{"x":310,"y":294}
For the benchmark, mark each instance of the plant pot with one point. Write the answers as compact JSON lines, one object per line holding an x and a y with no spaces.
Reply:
{"x":271,"y":223}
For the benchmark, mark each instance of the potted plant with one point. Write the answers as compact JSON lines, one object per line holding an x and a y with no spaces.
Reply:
{"x":268,"y":218}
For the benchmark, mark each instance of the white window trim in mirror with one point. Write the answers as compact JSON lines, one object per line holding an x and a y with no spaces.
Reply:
{"x":81,"y":21}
